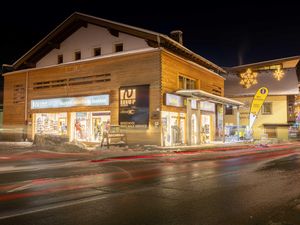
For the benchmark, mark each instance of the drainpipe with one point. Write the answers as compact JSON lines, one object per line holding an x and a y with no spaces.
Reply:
{"x":26,"y":107}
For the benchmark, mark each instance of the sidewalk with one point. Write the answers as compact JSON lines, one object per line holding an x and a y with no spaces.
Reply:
{"x":207,"y":151}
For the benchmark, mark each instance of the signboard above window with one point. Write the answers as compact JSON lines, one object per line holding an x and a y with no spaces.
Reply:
{"x":173,"y":100}
{"x":95,"y":100}
{"x":207,"y":106}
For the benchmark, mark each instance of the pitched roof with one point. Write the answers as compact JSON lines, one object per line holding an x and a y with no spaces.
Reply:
{"x":288,"y":85}
{"x":77,"y":20}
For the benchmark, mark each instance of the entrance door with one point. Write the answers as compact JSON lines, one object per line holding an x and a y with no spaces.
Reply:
{"x":206,"y":126}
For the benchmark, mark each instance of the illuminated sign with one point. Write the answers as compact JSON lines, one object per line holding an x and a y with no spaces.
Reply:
{"x":95,"y":100}
{"x":194,"y":104}
{"x":257,"y":103}
{"x":173,"y":100}
{"x":134,"y":106}
{"x":207,"y":106}
{"x":127,"y":97}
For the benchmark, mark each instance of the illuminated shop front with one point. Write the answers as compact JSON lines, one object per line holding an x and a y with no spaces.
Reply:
{"x":192,"y":120}
{"x":78,"y":125}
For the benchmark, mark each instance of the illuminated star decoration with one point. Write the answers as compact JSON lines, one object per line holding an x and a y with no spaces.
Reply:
{"x":248,"y":78}
{"x":278,"y":74}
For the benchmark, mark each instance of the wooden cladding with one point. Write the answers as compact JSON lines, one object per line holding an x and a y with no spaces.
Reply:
{"x":18,"y":93}
{"x":72,"y":81}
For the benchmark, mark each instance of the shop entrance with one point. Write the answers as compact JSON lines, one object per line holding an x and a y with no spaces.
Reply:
{"x":205,"y":128}
{"x":173,"y":128}
{"x":89,"y":126}
{"x":194,"y":130}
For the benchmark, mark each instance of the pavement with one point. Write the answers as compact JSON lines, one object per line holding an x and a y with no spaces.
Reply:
{"x":205,"y":151}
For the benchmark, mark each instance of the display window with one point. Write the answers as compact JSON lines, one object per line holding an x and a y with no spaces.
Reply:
{"x":206,"y":127}
{"x":173,"y":128}
{"x":51,"y":123}
{"x":89,"y":126}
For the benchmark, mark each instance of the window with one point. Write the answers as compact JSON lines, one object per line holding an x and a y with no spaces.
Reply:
{"x":228,"y":110}
{"x":186,"y":83}
{"x":60,"y":59}
{"x":118,"y":47}
{"x":266,"y":108}
{"x":271,"y":131}
{"x":97,"y":51}
{"x":77,"y":55}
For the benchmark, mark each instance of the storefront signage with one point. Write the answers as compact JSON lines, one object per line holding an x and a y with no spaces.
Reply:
{"x":194,"y":104}
{"x":95,"y":100}
{"x":207,"y":106}
{"x":173,"y":100}
{"x":134,"y":106}
{"x":257,"y":103}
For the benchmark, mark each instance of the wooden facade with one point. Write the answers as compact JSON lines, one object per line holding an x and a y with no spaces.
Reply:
{"x":158,"y":68}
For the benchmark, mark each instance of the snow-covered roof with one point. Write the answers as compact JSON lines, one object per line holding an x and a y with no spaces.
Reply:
{"x":288,"y":85}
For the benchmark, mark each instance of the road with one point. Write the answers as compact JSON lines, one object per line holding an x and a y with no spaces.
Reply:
{"x":68,"y":189}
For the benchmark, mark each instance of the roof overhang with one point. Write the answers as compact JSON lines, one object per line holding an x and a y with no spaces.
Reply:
{"x":205,"y":96}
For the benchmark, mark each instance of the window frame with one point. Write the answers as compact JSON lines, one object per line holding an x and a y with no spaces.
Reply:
{"x":187,"y":82}
{"x":263,"y":112}
{"x":94,"y":51}
{"x":118,"y":45}
{"x":76,"y":53}
{"x":60,"y":59}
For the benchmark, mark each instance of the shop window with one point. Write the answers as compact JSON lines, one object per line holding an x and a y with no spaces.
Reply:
{"x":228,"y":110}
{"x":119,"y":47}
{"x":266,"y":108}
{"x":186,"y":83}
{"x":97,"y":51}
{"x":51,"y":123}
{"x":77,"y":55}
{"x":60,"y":59}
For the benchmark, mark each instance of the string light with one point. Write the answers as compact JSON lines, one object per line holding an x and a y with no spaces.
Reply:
{"x":278,"y":74}
{"x":248,"y":78}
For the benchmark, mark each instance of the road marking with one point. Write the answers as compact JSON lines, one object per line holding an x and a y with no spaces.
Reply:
{"x":21,"y":188}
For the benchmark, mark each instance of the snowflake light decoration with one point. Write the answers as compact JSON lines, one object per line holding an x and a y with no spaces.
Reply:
{"x":248,"y":78}
{"x":278,"y":74}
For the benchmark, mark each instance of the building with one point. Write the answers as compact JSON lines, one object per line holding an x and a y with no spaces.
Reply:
{"x":277,"y":116}
{"x":89,"y":72}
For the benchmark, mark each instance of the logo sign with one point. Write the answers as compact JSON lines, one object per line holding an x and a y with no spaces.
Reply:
{"x":258,"y":101}
{"x":127,"y":97}
{"x":134,"y":106}
{"x":95,"y":100}
{"x":173,"y":100}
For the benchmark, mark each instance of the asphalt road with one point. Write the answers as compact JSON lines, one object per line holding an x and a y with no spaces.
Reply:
{"x":256,"y":189}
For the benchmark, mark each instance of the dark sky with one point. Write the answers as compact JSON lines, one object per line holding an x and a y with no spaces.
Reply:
{"x":225,"y":33}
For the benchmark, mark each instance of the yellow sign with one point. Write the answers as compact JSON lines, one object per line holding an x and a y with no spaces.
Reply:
{"x":257,"y":103}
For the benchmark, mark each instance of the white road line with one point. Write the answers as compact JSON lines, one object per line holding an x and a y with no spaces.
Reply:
{"x":21,"y":188}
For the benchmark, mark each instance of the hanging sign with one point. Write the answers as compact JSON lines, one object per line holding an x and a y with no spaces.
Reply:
{"x":257,"y":102}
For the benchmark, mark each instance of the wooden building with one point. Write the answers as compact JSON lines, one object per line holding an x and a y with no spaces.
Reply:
{"x":90,"y":72}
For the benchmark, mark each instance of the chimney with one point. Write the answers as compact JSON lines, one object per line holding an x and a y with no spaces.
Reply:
{"x":177,"y":36}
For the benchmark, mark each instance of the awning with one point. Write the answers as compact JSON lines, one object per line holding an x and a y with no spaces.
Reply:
{"x":205,"y":96}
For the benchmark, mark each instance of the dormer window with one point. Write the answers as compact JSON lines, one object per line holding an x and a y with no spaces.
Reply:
{"x":77,"y":55}
{"x":60,"y":59}
{"x":119,"y":47}
{"x":97,"y":51}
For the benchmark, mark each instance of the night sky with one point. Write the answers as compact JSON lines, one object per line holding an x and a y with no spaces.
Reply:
{"x":227,"y":34}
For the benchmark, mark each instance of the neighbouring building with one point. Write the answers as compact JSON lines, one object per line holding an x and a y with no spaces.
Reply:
{"x":278,"y":116}
{"x":89,"y":72}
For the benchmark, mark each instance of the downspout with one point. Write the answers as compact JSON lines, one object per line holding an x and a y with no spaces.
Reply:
{"x":26,"y":107}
